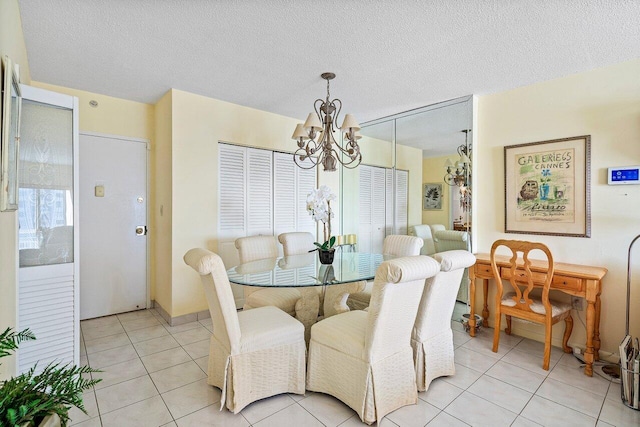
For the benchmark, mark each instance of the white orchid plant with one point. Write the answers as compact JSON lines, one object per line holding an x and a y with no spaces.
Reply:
{"x":319,"y":207}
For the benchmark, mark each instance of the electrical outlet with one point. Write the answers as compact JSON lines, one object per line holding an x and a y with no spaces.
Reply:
{"x":577,"y":303}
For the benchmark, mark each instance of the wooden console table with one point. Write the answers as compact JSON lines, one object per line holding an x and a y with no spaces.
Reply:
{"x":573,"y":279}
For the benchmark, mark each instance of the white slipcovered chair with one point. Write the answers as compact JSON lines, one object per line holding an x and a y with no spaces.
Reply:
{"x":423,"y":231}
{"x":436,"y":227}
{"x":296,"y":243}
{"x":253,"y":354}
{"x":364,"y":358}
{"x":432,"y":338}
{"x":254,"y":248}
{"x":394,"y":245}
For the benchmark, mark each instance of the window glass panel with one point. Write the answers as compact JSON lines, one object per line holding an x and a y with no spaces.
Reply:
{"x":45,"y":186}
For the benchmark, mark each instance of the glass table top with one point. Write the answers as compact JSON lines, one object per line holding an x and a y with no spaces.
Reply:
{"x":306,"y":270}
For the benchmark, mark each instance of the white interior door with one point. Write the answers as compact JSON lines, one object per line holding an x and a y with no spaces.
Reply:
{"x":48,"y":233}
{"x":113,"y":218}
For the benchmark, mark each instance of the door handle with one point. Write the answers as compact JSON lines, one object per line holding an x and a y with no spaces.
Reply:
{"x":141,"y":230}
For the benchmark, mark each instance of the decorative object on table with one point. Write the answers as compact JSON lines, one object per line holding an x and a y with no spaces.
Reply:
{"x":322,"y":125}
{"x":630,"y":353}
{"x":31,"y":398}
{"x":459,"y":173}
{"x":432,"y":197}
{"x":10,"y":143}
{"x":547,"y":187}
{"x":319,"y":207}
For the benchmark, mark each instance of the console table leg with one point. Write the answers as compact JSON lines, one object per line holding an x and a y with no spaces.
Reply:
{"x":589,"y":352}
{"x":472,"y":302}
{"x":485,"y":308}
{"x":596,"y":331}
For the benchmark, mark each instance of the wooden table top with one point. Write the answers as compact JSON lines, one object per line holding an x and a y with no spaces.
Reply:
{"x":574,"y":270}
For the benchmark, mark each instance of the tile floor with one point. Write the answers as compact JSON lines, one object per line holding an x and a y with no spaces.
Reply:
{"x":155,"y":375}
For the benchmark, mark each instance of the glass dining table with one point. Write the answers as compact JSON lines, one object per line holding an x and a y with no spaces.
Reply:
{"x":346,"y":275}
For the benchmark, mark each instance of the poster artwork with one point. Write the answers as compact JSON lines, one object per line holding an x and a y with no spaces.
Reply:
{"x":545,"y":186}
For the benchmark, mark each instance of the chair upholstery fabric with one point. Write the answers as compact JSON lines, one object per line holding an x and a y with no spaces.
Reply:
{"x":436,"y":227}
{"x":254,"y":354}
{"x":432,"y":337}
{"x":396,"y":245}
{"x":449,"y":240}
{"x":365,"y":358}
{"x":296,"y":243}
{"x":423,"y":231}
{"x":255,"y":248}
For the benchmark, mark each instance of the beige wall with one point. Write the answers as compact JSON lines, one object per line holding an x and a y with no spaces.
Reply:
{"x":198,"y":124}
{"x":603,"y":103}
{"x":11,"y":45}
{"x":161,"y":204}
{"x":112,"y":116}
{"x":433,"y":172}
{"x":409,"y":159}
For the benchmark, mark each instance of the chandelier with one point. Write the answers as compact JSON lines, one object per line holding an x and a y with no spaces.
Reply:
{"x":315,"y":136}
{"x":459,"y":173}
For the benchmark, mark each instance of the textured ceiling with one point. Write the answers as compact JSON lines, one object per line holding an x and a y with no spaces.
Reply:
{"x":389,"y":56}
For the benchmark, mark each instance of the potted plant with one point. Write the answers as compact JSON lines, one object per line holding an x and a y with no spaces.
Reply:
{"x":40,"y":399}
{"x":319,"y":207}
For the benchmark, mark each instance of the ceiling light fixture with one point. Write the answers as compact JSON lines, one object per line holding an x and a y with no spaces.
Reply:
{"x":321,"y":125}
{"x":459,"y":173}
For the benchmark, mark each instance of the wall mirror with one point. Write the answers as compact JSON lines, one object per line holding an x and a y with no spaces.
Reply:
{"x":402,"y":155}
{"x":11,"y":107}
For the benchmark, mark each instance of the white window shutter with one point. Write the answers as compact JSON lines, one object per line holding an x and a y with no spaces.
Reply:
{"x":232,"y":191}
{"x":365,"y":195}
{"x":402,"y":187}
{"x":306,"y":182}
{"x":388,"y":201}
{"x":378,"y":197}
{"x":284,"y":189}
{"x":259,"y":192}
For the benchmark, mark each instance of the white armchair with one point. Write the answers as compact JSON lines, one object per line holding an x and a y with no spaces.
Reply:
{"x":253,"y":354}
{"x":364,"y":358}
{"x":395,"y":245}
{"x":432,"y":338}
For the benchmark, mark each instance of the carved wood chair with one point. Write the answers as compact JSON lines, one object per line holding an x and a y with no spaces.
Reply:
{"x":520,"y":303}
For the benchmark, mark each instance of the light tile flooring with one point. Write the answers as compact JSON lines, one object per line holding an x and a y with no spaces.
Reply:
{"x":155,"y":375}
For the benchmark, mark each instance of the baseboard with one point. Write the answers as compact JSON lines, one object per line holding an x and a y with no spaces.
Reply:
{"x":180,"y":320}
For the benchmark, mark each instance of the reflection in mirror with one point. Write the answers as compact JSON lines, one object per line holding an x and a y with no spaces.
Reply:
{"x":366,"y":189}
{"x":402,"y":153}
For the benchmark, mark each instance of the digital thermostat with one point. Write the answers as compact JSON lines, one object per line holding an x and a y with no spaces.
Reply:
{"x":624,"y":175}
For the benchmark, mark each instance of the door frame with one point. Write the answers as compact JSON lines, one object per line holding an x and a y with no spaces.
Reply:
{"x":148,"y":213}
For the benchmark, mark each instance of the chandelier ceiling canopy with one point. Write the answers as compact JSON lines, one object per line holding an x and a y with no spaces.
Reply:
{"x":316,"y":141}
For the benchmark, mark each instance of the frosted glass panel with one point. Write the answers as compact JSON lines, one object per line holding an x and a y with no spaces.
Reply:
{"x":45,"y":185}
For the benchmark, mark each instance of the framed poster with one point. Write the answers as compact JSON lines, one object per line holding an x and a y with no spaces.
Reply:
{"x":432,"y":197}
{"x":547,"y":187}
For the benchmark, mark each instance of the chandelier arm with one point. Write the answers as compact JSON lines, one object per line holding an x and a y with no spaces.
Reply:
{"x":336,"y":112}
{"x":302,"y":157}
{"x":353,"y":158}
